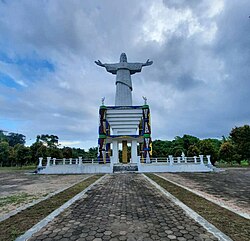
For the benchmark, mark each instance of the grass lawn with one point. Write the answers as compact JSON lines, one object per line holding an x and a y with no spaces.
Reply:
{"x":16,"y":199}
{"x":233,"y":225}
{"x":244,"y":163}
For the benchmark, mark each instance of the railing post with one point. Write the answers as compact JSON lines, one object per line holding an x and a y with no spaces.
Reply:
{"x":48,"y":161}
{"x":76,"y":161}
{"x":80,"y":160}
{"x":155,"y":160}
{"x":201,"y":158}
{"x":195,"y":159}
{"x":138,"y":160}
{"x":40,"y":164}
{"x":54,"y":161}
{"x":92,"y":161}
{"x":170,"y":160}
{"x":208,"y":160}
{"x":64,"y":161}
{"x":183,"y":156}
{"x":70,"y":161}
{"x":185,"y":159}
{"x":178,"y":159}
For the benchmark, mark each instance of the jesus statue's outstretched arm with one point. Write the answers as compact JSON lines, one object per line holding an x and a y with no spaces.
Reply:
{"x":137,"y":67}
{"x":112,"y":68}
{"x":147,"y":63}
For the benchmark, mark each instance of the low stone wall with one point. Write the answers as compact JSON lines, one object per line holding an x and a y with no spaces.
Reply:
{"x":157,"y":167}
{"x":76,"y":169}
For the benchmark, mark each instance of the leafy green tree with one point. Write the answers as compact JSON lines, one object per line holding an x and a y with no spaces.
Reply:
{"x":67,"y":152}
{"x":15,"y":138}
{"x":216,"y":143}
{"x":189,"y":141}
{"x":92,"y":153}
{"x":240,"y":137}
{"x":54,"y":153}
{"x":76,"y":152}
{"x":227,"y":152}
{"x":161,"y":148}
{"x":4,"y":153}
{"x":237,"y":158}
{"x":37,"y":150}
{"x":207,"y":147}
{"x":82,"y":152}
{"x":193,"y":150}
{"x":41,"y":152}
{"x":48,"y":140}
{"x":224,"y":139}
{"x":3,"y":137}
{"x":177,"y":151}
{"x":23,"y":154}
{"x":175,"y":147}
{"x":177,"y":144}
{"x":13,"y":160}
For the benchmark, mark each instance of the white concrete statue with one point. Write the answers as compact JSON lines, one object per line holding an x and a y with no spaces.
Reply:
{"x":123,"y":71}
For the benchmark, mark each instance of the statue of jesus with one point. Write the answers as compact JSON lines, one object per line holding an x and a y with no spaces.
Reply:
{"x":123,"y":71}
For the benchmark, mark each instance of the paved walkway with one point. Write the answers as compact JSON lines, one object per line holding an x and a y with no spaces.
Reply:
{"x":123,"y":207}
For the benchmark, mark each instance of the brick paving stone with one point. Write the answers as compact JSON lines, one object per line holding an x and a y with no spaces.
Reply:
{"x":123,"y":207}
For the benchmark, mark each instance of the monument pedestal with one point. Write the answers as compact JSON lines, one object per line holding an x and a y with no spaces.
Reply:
{"x":124,"y":125}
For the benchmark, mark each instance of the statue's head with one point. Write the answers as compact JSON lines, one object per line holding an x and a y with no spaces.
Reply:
{"x":123,"y":57}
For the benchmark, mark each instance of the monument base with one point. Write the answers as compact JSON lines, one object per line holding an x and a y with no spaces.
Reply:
{"x":170,"y":164}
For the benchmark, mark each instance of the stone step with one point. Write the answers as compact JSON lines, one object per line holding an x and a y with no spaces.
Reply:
{"x":125,"y":168}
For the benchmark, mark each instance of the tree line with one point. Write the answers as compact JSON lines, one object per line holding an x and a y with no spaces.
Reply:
{"x":234,"y":148}
{"x":13,"y":151}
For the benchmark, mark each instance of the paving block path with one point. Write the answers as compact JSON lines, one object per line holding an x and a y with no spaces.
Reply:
{"x":123,"y":207}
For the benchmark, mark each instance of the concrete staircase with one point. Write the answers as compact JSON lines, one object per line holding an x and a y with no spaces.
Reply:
{"x":124,"y":121}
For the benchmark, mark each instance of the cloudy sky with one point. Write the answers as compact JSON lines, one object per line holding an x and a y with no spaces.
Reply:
{"x":199,"y":83}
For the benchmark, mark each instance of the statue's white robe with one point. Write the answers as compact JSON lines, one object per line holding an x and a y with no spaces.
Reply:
{"x":123,"y":72}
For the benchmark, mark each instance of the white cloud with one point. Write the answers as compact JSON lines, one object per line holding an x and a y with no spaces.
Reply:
{"x":161,"y":22}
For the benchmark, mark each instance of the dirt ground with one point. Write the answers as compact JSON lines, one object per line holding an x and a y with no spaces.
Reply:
{"x":18,"y":188}
{"x":229,"y":187}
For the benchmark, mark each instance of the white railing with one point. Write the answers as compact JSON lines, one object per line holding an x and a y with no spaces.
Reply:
{"x":49,"y":161}
{"x":170,"y":160}
{"x":159,"y":160}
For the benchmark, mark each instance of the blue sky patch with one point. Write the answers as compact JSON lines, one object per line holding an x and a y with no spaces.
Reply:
{"x":8,"y":81}
{"x":31,"y":68}
{"x":33,"y":63}
{"x":8,"y":125}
